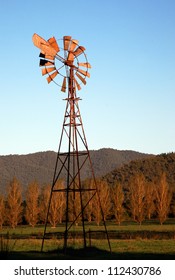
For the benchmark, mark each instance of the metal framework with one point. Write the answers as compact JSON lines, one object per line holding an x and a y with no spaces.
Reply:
{"x":77,"y":157}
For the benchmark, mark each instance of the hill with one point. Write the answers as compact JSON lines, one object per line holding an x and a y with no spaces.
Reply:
{"x":40,"y":166}
{"x":151,"y":168}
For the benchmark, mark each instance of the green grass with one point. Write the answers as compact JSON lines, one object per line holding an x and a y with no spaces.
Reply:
{"x":132,"y":228}
{"x":120,"y":248}
{"x":146,"y":246}
{"x":38,"y":230}
{"x":123,"y":248}
{"x":111,"y":226}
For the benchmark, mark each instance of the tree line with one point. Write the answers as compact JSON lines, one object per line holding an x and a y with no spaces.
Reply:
{"x":141,"y":200}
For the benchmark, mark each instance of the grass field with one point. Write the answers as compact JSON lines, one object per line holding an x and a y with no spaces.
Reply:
{"x":121,"y":249}
{"x":111,"y":226}
{"x":135,"y":248}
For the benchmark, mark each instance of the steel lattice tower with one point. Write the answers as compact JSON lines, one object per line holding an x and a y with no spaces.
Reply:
{"x":77,"y":157}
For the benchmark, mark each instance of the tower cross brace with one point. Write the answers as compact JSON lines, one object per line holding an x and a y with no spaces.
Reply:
{"x":73,"y":161}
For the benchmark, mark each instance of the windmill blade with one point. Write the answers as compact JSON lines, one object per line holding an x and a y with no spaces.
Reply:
{"x":37,"y":40}
{"x":45,"y":46}
{"x":48,"y":50}
{"x":44,"y":62}
{"x":42,"y":55}
{"x":84,"y":64}
{"x":63,"y":88}
{"x":73,"y":45}
{"x":77,"y":84}
{"x":70,"y":56}
{"x":85,"y":73}
{"x":66,"y":40}
{"x":79,"y":51}
{"x":52,"y":76}
{"x":81,"y":78}
{"x":48,"y":70}
{"x":46,"y":56}
{"x":52,"y":41}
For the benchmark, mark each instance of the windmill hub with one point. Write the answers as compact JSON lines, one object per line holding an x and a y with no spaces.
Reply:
{"x":69,"y":63}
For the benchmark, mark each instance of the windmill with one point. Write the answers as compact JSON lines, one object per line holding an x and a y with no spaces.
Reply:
{"x":65,"y":63}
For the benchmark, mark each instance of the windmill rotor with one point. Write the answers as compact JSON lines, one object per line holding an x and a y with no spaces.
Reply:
{"x":58,"y":58}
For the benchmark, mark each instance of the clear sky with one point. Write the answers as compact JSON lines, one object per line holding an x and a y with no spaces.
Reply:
{"x":127,"y":104}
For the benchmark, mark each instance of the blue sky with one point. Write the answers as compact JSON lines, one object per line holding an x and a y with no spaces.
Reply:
{"x":127,"y":104}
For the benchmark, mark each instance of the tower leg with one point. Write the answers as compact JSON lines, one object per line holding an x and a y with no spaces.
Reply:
{"x":70,"y":165}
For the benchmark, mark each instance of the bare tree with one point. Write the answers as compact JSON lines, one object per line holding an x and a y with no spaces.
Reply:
{"x":117,"y":195}
{"x":2,"y":211}
{"x":137,"y":198}
{"x":32,"y":204}
{"x":14,"y":200}
{"x":163,"y":198}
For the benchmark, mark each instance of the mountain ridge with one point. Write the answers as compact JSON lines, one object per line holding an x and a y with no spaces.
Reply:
{"x":40,"y":166}
{"x":151,"y":167}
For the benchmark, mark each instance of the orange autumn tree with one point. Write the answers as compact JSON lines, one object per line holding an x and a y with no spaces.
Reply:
{"x":43,"y":202}
{"x":163,"y":198}
{"x":137,"y":195}
{"x":117,"y":198}
{"x":57,"y":205}
{"x":2,"y":210}
{"x":88,"y":199}
{"x":101,"y":202}
{"x":75,"y":207}
{"x":32,"y":204}
{"x":14,"y":201}
{"x":150,"y":199}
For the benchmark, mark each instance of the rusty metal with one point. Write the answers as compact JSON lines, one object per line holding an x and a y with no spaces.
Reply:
{"x":67,"y":40}
{"x":48,"y":70}
{"x":77,"y":156}
{"x":52,"y":41}
{"x":52,"y":76}
{"x":84,"y":64}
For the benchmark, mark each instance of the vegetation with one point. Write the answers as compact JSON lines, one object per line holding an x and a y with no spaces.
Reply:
{"x":137,"y":195}
{"x":132,"y":241}
{"x":163,"y":198}
{"x":32,"y":206}
{"x":138,"y":201}
{"x":13,"y":208}
{"x":40,"y":166}
{"x":118,"y":246}
{"x":117,"y":201}
{"x":135,"y":203}
{"x":151,"y":167}
{"x":2,"y":211}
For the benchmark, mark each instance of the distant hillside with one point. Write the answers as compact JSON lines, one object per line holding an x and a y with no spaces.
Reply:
{"x":40,"y":166}
{"x":151,"y":168}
